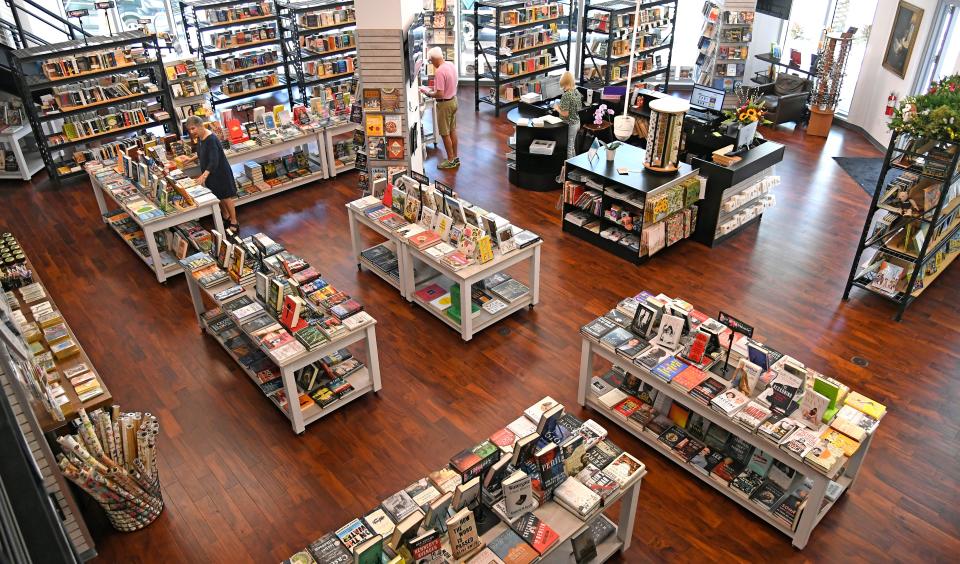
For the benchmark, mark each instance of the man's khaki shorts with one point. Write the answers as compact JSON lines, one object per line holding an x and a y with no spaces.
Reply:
{"x":447,"y":116}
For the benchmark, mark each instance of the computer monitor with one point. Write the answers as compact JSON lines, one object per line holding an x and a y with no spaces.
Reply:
{"x":706,"y":97}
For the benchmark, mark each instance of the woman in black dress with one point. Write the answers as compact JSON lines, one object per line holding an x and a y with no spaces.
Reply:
{"x":215,"y":174}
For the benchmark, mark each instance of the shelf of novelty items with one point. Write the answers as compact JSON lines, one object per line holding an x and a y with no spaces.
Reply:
{"x":331,"y":133}
{"x":60,"y":378}
{"x":285,"y":326}
{"x":449,"y":261}
{"x":776,"y":437}
{"x":152,"y":200}
{"x":536,"y":490}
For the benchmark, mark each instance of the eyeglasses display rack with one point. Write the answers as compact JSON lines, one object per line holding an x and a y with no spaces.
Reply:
{"x":608,"y":34}
{"x":531,"y":41}
{"x":137,"y":100}
{"x":239,"y":44}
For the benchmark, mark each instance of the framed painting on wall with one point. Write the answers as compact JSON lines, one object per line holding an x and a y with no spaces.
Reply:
{"x":903,"y":36}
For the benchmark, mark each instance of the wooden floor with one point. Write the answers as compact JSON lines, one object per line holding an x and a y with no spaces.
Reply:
{"x":241,"y":487}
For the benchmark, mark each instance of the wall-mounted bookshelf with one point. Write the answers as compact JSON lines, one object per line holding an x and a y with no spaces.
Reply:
{"x":239,"y":44}
{"x":439,"y":30}
{"x":99,"y":89}
{"x":532,"y":45}
{"x":608,"y":35}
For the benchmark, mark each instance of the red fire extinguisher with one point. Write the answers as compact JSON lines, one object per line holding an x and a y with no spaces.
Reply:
{"x":891,"y":104}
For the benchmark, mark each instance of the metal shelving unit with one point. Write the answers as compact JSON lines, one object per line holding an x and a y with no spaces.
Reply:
{"x":196,"y":42}
{"x":609,"y":22}
{"x":32,"y":85}
{"x":920,"y":234}
{"x":494,"y":57}
{"x":292,"y":32}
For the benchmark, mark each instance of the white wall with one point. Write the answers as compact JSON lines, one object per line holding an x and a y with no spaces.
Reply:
{"x":875,"y":82}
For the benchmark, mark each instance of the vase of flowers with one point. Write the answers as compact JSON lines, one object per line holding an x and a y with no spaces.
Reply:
{"x":934,"y":115}
{"x":749,"y":110}
{"x":600,"y":128}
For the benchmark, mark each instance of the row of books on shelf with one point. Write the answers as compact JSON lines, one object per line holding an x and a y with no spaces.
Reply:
{"x":87,"y":92}
{"x":231,"y":14}
{"x":812,"y":417}
{"x":190,"y":88}
{"x":434,"y":36}
{"x":620,"y":71}
{"x":650,"y":19}
{"x":736,"y":35}
{"x":274,"y":173}
{"x":547,"y":86}
{"x":729,"y":69}
{"x":545,"y":456}
{"x":237,"y":38}
{"x":732,"y":17}
{"x":332,"y":101}
{"x":105,"y":150}
{"x":889,"y":275}
{"x":326,"y":18}
{"x":329,"y":42}
{"x":440,"y":224}
{"x":91,"y":124}
{"x":733,"y":53}
{"x":187,"y":68}
{"x":527,"y":64}
{"x":58,"y":68}
{"x":530,"y":14}
{"x":437,"y":19}
{"x":148,"y":191}
{"x":330,"y":67}
{"x":248,"y":83}
{"x":527,"y":39}
{"x":249,"y":59}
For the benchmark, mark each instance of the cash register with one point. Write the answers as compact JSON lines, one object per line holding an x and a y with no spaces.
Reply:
{"x":702,"y":122}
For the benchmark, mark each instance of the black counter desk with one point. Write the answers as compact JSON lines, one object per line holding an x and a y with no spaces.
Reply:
{"x":534,"y":171}
{"x":720,"y":179}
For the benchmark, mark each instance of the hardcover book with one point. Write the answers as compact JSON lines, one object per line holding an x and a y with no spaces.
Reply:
{"x":427,"y":547}
{"x":602,"y":454}
{"x":512,"y":549}
{"x":577,"y":498}
{"x":751,"y":416}
{"x":399,"y":506}
{"x":536,"y":533}
{"x":800,"y":442}
{"x":550,"y":465}
{"x":353,"y":534}
{"x":462,"y":531}
{"x":328,"y":549}
{"x":853,"y":423}
{"x":602,"y":484}
{"x":517,"y":495}
{"x":624,"y":469}
{"x":378,"y":522}
{"x":668,"y":369}
{"x":535,"y":411}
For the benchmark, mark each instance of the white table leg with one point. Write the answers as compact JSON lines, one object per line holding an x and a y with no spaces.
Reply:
{"x":535,"y":276}
{"x":293,"y":400}
{"x":98,"y":194}
{"x":195,"y":296}
{"x":154,"y":254}
{"x":373,"y":360}
{"x":586,"y":372}
{"x":354,"y":235}
{"x":812,"y":508}
{"x":405,"y":263}
{"x":853,"y":465}
{"x":466,"y":315}
{"x":217,"y":218}
{"x":628,"y":516}
{"x":21,"y":160}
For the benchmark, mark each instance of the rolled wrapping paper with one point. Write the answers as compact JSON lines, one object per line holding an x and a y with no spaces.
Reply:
{"x":68,"y":443}
{"x":100,"y":428}
{"x":89,"y":435}
{"x":111,"y":438}
{"x":129,"y":442}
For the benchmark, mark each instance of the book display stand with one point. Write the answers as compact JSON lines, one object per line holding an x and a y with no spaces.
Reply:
{"x":817,"y":490}
{"x":74,"y":119}
{"x":917,"y":237}
{"x":26,"y":345}
{"x":724,"y":45}
{"x":559,"y":534}
{"x":631,"y":215}
{"x":29,"y":162}
{"x":527,"y":47}
{"x":152,"y":227}
{"x":605,"y":49}
{"x":304,"y":410}
{"x":416,"y":273}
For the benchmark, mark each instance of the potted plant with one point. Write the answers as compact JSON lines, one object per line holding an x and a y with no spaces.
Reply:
{"x":600,"y":129}
{"x":612,"y":150}
{"x":934,"y":115}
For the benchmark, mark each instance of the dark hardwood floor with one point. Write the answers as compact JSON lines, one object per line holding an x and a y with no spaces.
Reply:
{"x":241,"y":487}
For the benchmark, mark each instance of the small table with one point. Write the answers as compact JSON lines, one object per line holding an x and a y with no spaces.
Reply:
{"x":770,"y":60}
{"x":28,"y":164}
{"x":363,"y":381}
{"x":533,"y":171}
{"x":150,"y":228}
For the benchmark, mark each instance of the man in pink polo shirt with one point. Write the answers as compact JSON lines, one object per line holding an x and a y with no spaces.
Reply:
{"x":445,"y":93}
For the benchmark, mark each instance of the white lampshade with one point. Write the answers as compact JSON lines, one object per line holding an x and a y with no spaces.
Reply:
{"x":623,"y":127}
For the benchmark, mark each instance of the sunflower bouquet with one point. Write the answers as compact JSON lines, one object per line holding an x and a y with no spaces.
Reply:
{"x":746,"y":113}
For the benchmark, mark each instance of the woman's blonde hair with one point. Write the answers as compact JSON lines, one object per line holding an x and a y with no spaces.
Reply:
{"x":566,"y":80}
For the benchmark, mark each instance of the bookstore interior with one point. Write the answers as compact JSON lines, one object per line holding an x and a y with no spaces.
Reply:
{"x":738,"y":370}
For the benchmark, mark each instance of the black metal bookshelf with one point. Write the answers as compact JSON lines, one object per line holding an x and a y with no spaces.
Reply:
{"x":493,"y":57}
{"x":291,"y":32}
{"x":197,"y":43}
{"x":602,"y":24}
{"x":32,"y":84}
{"x":931,"y":207}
